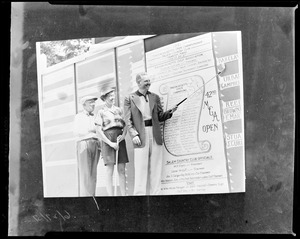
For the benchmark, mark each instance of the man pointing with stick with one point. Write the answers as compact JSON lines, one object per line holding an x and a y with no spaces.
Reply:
{"x":143,"y":114}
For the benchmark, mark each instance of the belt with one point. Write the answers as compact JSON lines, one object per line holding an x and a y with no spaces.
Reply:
{"x":148,"y":123}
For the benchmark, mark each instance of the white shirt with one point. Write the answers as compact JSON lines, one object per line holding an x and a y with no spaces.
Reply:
{"x":84,"y":126}
{"x":145,"y":107}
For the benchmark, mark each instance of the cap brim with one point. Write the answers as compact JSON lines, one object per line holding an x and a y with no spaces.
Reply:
{"x":107,"y":91}
{"x":86,"y":99}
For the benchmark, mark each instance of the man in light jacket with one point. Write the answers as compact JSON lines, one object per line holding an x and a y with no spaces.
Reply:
{"x":143,"y":114}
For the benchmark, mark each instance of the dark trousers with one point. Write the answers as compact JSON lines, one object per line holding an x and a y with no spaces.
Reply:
{"x":88,"y":157}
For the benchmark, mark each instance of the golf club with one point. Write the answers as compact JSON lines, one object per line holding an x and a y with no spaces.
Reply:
{"x":116,"y":169}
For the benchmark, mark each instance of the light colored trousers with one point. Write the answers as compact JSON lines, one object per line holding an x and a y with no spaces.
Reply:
{"x":88,"y":157}
{"x":148,"y":161}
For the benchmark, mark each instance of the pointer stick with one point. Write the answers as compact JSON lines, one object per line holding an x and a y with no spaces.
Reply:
{"x":182,"y":101}
{"x":220,"y":71}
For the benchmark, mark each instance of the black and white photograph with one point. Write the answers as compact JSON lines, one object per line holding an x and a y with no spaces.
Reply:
{"x":119,"y":120}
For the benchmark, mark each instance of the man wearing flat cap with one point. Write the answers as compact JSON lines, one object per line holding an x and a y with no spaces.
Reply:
{"x":143,"y":114}
{"x":88,"y":146}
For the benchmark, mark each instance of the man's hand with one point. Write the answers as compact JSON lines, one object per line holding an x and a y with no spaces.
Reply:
{"x":174,"y":109}
{"x":136,"y":140}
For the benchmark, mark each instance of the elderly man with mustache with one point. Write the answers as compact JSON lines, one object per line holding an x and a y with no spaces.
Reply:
{"x":143,"y":114}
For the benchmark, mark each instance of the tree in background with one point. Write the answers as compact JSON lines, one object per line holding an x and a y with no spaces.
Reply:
{"x":59,"y":51}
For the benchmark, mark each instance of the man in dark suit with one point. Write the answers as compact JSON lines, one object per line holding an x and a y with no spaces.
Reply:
{"x":143,"y":114}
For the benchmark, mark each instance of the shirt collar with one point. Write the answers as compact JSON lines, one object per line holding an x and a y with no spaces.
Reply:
{"x":112,"y":109}
{"x":140,"y":94}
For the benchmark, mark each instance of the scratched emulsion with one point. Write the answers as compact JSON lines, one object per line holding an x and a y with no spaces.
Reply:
{"x":265,"y":207}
